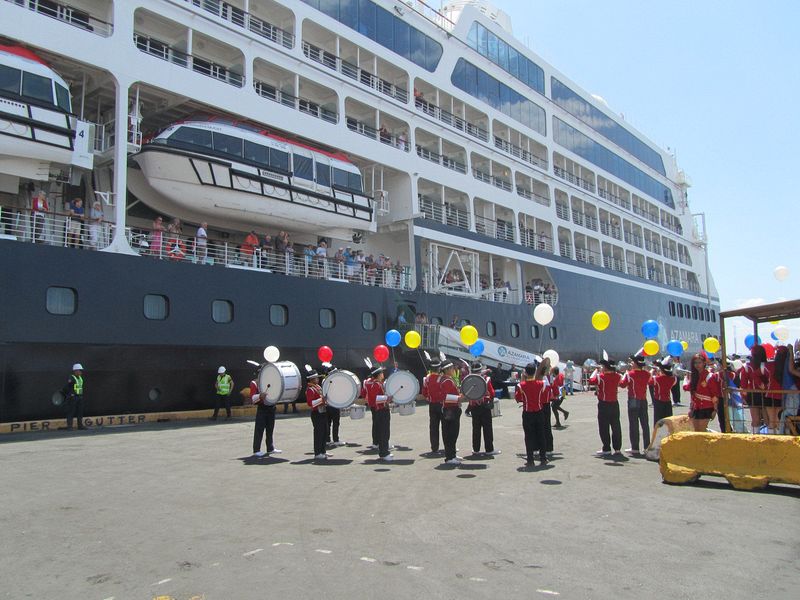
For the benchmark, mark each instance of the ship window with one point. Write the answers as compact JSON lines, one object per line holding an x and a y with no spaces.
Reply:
{"x":713,"y":316}
{"x":491,"y":328}
{"x":701,"y":315}
{"x":192,"y":136}
{"x":417,"y":47}
{"x":506,"y":57}
{"x":303,"y":167}
{"x":366,"y":18}
{"x":227,"y":144}
{"x":10,"y":79}
{"x":354,"y":181}
{"x":535,"y":332}
{"x":329,"y":7}
{"x":62,"y":98}
{"x":278,"y":159}
{"x":686,"y":311}
{"x":348,"y":13}
{"x":385,"y":28}
{"x":327,"y":318}
{"x":61,"y":301}
{"x":324,"y":174}
{"x":156,"y":307}
{"x":671,"y":309}
{"x":514,"y":330}
{"x":222,"y":311}
{"x":278,"y":315}
{"x":708,"y":315}
{"x":694,"y":313}
{"x":368,"y":321}
{"x":402,"y":38}
{"x":37,"y":87}
{"x":680,"y":310}
{"x":256,"y":153}
{"x":553,"y":333}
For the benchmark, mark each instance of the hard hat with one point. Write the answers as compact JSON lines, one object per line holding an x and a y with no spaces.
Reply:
{"x":221,"y":370}
{"x":77,"y":367}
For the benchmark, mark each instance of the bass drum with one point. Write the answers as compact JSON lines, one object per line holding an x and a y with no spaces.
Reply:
{"x":473,"y":387}
{"x":402,"y":386}
{"x":341,"y":388}
{"x":280,"y":382}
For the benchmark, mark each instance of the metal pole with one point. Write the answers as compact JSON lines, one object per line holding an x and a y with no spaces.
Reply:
{"x":725,"y":392}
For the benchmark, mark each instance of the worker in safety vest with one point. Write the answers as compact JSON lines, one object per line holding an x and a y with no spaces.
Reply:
{"x":223,"y":387}
{"x":73,"y":395}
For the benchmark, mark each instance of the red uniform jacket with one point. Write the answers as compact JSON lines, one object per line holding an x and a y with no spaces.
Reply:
{"x":708,"y":389}
{"x":372,"y":389}
{"x":488,"y":397}
{"x":254,"y":393}
{"x":774,"y":384}
{"x":607,"y":383}
{"x":447,"y":387}
{"x":662,"y":387}
{"x":533,"y":393}
{"x":639,"y":380}
{"x":430,"y":388}
{"x":750,"y":378}
{"x":555,"y":386}
{"x":314,"y":392}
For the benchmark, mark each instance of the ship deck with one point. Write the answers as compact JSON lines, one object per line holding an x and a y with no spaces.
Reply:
{"x":180,"y":512}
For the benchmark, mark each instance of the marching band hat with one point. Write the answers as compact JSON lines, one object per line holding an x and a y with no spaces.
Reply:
{"x":638,"y":358}
{"x":377,"y":370}
{"x":445,"y":365}
{"x":476,"y":367}
{"x":77,"y":367}
{"x":607,"y":362}
{"x":311,"y":372}
{"x":665,"y":365}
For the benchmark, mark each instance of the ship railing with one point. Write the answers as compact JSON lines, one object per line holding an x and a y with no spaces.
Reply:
{"x":692,"y":286}
{"x":440,"y":159}
{"x":562,"y":211}
{"x":672,"y":280}
{"x":535,"y":296}
{"x":675,"y":228}
{"x":613,"y":263}
{"x":72,"y":15}
{"x":578,"y":217}
{"x":309,"y":107}
{"x":637,"y":210}
{"x":355,"y":72}
{"x":651,"y":246}
{"x":105,"y":135}
{"x":54,"y":228}
{"x":603,"y":193}
{"x":457,"y":217}
{"x":245,"y":20}
{"x":384,"y":137}
{"x":654,"y":275}
{"x":684,"y":259}
{"x":520,"y":153}
{"x":565,"y":249}
{"x":428,"y":333}
{"x":531,"y":195}
{"x":498,"y":182}
{"x":636,"y":270}
{"x":633,"y":238}
{"x":498,"y":229}
{"x":574,"y":179}
{"x":537,"y":241}
{"x":670,"y":253}
{"x":587,"y":256}
{"x":430,"y":208}
{"x":428,"y":12}
{"x":450,"y":119}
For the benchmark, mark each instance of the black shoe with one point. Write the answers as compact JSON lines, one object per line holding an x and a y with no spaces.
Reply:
{"x":566,"y":415}
{"x":543,"y":461}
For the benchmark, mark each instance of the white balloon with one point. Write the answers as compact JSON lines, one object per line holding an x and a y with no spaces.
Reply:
{"x":543,"y":314}
{"x":781,"y":273}
{"x":271,"y":354}
{"x":782,"y":333}
{"x":553,"y":356}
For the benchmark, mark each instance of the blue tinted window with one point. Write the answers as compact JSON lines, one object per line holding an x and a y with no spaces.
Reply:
{"x":483,"y":86}
{"x":506,"y":57}
{"x":585,"y":147}
{"x":330,"y":8}
{"x":604,"y":125}
{"x":385,"y":28}
{"x":348,"y":13}
{"x":417,"y":47}
{"x":366,"y":18}
{"x":303,"y":167}
{"x":402,"y":38}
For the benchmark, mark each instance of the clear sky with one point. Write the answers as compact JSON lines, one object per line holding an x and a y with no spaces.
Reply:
{"x":717,"y":81}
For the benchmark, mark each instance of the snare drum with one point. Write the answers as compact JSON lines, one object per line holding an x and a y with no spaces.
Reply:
{"x":407,"y":409}
{"x":402,"y":386}
{"x":280,"y":382}
{"x":357,"y":411}
{"x":473,"y":387}
{"x":341,"y":388}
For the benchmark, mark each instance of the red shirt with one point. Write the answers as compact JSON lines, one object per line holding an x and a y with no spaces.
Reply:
{"x":750,"y":378}
{"x":708,"y":390}
{"x":774,"y":384}
{"x":447,"y":387}
{"x":639,"y":380}
{"x":314,"y":392}
{"x":662,"y":387}
{"x":372,"y":389}
{"x":430,"y":388}
{"x":533,"y":394}
{"x":40,"y":204}
{"x":254,"y":393}
{"x":607,"y":383}
{"x":488,"y":397}
{"x":556,"y":385}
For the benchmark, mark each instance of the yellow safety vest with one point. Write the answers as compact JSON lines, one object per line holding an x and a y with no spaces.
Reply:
{"x":77,"y":385}
{"x":224,"y":384}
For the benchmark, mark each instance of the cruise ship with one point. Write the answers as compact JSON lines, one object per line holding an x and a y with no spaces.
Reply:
{"x":412,"y":166}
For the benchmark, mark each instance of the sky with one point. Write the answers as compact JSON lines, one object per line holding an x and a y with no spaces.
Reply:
{"x":712,"y":80}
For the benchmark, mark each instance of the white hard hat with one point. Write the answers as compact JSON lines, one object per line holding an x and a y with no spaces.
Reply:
{"x":77,"y":367}
{"x":221,"y":370}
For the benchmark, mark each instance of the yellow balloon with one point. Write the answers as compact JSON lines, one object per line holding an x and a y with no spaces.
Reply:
{"x":775,"y":322}
{"x":684,"y":345}
{"x":413,"y":339}
{"x":601,"y":320}
{"x":651,"y":347}
{"x":469,"y":335}
{"x":711,"y":345}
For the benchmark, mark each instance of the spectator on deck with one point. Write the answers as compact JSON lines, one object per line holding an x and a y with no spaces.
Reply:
{"x":201,"y":242}
{"x":248,"y":247}
{"x":157,"y":237}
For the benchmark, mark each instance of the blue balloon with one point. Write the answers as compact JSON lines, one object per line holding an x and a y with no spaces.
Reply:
{"x":773,"y":336}
{"x":650,"y":329}
{"x":392,"y":338}
{"x":476,"y":349}
{"x":674,"y":348}
{"x":750,"y":341}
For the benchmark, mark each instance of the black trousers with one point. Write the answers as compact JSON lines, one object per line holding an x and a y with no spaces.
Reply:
{"x":608,"y":424}
{"x":220,"y":399}
{"x":334,"y":417}
{"x":637,"y":417}
{"x":661,"y":410}
{"x":320,"y":422}
{"x":533,"y":426}
{"x":374,"y":428}
{"x":451,"y":425}
{"x":265,"y":424}
{"x":380,"y":423}
{"x":435,"y":413}
{"x":676,"y":393}
{"x":74,"y":410}
{"x":482,"y":423}
{"x":548,"y":427}
{"x":556,"y":404}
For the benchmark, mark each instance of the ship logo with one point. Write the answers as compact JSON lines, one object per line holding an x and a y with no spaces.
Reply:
{"x":502,"y":351}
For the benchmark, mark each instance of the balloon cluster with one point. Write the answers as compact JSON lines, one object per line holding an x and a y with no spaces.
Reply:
{"x":469,"y":337}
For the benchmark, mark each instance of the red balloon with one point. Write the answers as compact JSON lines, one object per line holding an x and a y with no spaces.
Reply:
{"x":325,"y":354}
{"x":769,"y":349}
{"x":381,"y":353}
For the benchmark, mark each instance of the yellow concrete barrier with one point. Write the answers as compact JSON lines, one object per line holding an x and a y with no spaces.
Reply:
{"x":748,"y":462}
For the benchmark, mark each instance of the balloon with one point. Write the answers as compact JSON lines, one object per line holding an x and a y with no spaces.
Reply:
{"x":711,"y":345}
{"x":674,"y":348}
{"x":476,"y":349}
{"x":553,"y":356}
{"x":773,"y":336}
{"x":381,"y":353}
{"x":413,"y":339}
{"x":769,"y":349}
{"x":775,"y":322}
{"x":750,"y":341}
{"x":781,"y":273}
{"x":651,"y":347}
{"x":782,"y":333}
{"x":601,"y":320}
{"x":469,"y":335}
{"x":392,"y":338}
{"x":543,"y":314}
{"x":650,"y":329}
{"x":737,"y":364}
{"x":325,"y":354}
{"x":684,"y":345}
{"x":271,"y":354}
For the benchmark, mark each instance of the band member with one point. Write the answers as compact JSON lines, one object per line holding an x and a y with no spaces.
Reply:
{"x":319,"y":418}
{"x":378,"y":402}
{"x":430,"y":389}
{"x":451,"y":412}
{"x":754,"y":376}
{"x":663,"y":382}
{"x":548,"y":425}
{"x":705,"y":391}
{"x":557,"y":393}
{"x":607,"y":383}
{"x":265,"y":422}
{"x":637,"y":379}
{"x":73,"y":393}
{"x":532,"y":393}
{"x":334,"y":415}
{"x":481,"y":411}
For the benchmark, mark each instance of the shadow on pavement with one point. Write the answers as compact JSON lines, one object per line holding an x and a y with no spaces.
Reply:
{"x":264,"y":460}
